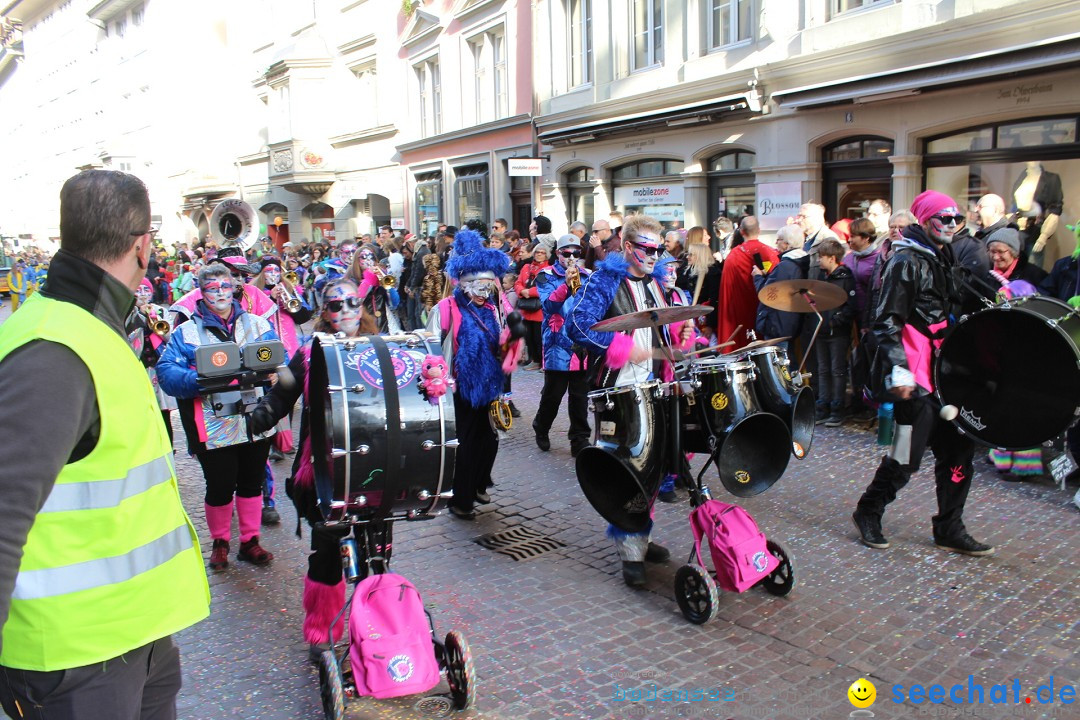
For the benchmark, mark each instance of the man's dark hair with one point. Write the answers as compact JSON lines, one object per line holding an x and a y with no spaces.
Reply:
{"x":477,"y":225}
{"x":831,"y":248}
{"x":500,"y":221}
{"x":101,"y":213}
{"x":543,"y":225}
{"x":387,"y":228}
{"x":451,"y":231}
{"x":864,"y":227}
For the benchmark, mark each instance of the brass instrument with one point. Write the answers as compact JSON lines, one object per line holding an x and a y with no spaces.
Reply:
{"x":293,"y":303}
{"x":160,"y":327}
{"x":573,"y":277}
{"x":234,"y":222}
{"x":385,"y":279}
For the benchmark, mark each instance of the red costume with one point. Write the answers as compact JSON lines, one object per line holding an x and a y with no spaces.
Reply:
{"x":738,"y":298}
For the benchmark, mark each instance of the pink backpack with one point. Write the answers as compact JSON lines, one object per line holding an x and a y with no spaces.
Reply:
{"x":736,"y":544}
{"x":392,"y":651}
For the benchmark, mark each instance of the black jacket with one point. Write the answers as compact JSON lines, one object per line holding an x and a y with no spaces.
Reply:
{"x":1063,"y":282}
{"x":837,"y":322}
{"x":917,"y":288}
{"x":771,"y":323}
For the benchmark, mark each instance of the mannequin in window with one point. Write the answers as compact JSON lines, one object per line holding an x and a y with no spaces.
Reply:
{"x":1038,"y":200}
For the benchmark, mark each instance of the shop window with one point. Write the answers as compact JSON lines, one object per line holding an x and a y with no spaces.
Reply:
{"x":732,"y":191}
{"x":731,"y":161}
{"x":859,"y":149}
{"x":580,"y":185}
{"x":428,"y":203}
{"x":730,"y":21}
{"x":647,"y":17}
{"x":857,"y":171}
{"x":471,"y":191}
{"x":648,"y":168}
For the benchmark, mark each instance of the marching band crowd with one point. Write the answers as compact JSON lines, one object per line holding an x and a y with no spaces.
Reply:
{"x":905,"y":275}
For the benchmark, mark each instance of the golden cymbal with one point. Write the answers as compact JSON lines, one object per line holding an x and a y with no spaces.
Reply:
{"x":759,"y":344}
{"x":654,"y":317}
{"x":795,"y":295}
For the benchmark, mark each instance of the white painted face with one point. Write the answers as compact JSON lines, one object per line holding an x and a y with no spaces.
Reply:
{"x":570,"y":255}
{"x":366,"y":258}
{"x":645,"y":251}
{"x":218,"y":294}
{"x":341,"y":308}
{"x":670,"y":273}
{"x":480,"y":289}
{"x":272,"y":275}
{"x":142,"y":295}
{"x":943,"y":224}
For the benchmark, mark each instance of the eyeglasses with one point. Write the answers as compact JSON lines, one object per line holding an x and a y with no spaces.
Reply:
{"x":949,"y":219}
{"x":570,"y":253}
{"x":647,"y":249}
{"x":152,"y":232}
{"x":337,"y":305}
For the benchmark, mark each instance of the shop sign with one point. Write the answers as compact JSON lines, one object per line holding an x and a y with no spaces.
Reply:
{"x":397,"y":223}
{"x":631,"y":195}
{"x":667,"y":213}
{"x":777,"y":202}
{"x":525,"y":167}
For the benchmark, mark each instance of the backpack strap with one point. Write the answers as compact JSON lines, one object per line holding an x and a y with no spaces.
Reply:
{"x":450,"y":319}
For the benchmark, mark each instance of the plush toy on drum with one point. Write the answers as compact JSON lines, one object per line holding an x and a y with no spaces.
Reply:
{"x":340,"y":486}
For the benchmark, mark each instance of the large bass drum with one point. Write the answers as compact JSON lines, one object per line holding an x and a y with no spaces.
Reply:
{"x":1013,"y":372}
{"x":379,"y":448}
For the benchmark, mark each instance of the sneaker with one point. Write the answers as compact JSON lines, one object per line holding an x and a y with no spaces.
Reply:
{"x":657,"y":553}
{"x":834,"y":421}
{"x":543,"y":441}
{"x":482,"y":497}
{"x":270,"y":516}
{"x":461,"y":514}
{"x":276,"y":455}
{"x":667,"y":496}
{"x":965,"y":545}
{"x":219,"y":555}
{"x":633,"y":574}
{"x":254,"y":553}
{"x":870,"y":531}
{"x":821,"y":415}
{"x":514,"y":412}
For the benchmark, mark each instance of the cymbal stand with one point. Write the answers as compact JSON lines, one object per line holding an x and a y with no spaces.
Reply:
{"x":813,"y":305}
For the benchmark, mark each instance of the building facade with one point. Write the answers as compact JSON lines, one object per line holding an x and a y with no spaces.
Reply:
{"x":692,"y":109}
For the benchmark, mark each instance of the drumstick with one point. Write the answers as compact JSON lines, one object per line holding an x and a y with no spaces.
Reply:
{"x":710,"y":349}
{"x":732,"y":338}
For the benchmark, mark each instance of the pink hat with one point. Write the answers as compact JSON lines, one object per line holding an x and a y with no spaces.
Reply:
{"x":929,"y":203}
{"x":147,"y":283}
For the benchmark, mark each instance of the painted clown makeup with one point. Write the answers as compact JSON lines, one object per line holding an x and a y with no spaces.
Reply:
{"x":646,"y":251}
{"x":218,"y":294}
{"x":944,"y":224}
{"x":366,"y":259}
{"x":142,"y":295}
{"x":346,"y":253}
{"x":341,"y":308}
{"x":272,"y":275}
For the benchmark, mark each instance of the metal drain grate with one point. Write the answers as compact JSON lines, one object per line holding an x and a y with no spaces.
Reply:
{"x":435,"y":706}
{"x":519,"y":543}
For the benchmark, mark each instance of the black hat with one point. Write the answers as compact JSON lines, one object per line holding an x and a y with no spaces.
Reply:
{"x":234,"y":258}
{"x":269,"y":260}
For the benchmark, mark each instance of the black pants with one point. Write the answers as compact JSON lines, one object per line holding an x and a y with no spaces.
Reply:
{"x":832,"y":370}
{"x":534,"y":340}
{"x":238,"y":469}
{"x":138,"y":685}
{"x":918,"y":427}
{"x":478,"y":445}
{"x":556,"y":384}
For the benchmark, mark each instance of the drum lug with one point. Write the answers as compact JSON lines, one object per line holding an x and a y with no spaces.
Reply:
{"x":431,"y":444}
{"x":361,"y":500}
{"x":355,"y":388}
{"x":423,"y":495}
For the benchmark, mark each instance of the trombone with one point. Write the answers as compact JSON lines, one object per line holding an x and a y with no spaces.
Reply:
{"x":293,"y":303}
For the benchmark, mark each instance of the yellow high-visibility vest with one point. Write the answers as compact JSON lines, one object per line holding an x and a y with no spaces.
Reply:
{"x":112,"y":561}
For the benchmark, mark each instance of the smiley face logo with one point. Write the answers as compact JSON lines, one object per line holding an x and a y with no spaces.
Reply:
{"x":264,"y":354}
{"x":719,"y":401}
{"x":862,"y":693}
{"x":741,"y":476}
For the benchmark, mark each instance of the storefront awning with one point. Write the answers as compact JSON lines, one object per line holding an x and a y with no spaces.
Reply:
{"x":1052,"y":54}
{"x":678,"y":116}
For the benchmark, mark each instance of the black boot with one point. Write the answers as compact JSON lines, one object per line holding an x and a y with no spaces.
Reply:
{"x":870,"y":530}
{"x":633,"y":573}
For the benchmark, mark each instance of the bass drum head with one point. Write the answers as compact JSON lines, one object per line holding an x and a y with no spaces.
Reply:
{"x":614,"y":490}
{"x":754,"y":454}
{"x":1012,"y":374}
{"x":320,"y":416}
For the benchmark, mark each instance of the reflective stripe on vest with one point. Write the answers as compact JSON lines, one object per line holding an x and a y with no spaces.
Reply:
{"x":49,"y":582}
{"x":98,"y":494}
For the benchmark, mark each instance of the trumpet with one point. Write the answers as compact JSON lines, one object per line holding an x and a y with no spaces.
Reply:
{"x":293,"y":303}
{"x":159,"y":327}
{"x":385,"y":279}
{"x":573,"y":277}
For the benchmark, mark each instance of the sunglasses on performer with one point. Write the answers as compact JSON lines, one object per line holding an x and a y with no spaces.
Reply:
{"x":950,"y":219}
{"x":570,"y":253}
{"x":337,"y":305}
{"x":647,"y":249}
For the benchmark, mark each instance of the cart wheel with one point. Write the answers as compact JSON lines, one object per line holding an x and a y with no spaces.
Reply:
{"x":460,"y":673}
{"x":695,"y":590}
{"x":333,"y":696}
{"x":781,"y":580}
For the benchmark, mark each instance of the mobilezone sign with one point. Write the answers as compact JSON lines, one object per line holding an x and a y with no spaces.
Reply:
{"x":649,"y":195}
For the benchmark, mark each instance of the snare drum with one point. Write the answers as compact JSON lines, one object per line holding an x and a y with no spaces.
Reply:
{"x":1012,"y":372}
{"x":380,"y":448}
{"x":752,"y":447}
{"x":781,"y":395}
{"x":620,"y":473}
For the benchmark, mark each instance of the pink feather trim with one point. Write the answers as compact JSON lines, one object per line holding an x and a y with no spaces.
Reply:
{"x":618,"y":352}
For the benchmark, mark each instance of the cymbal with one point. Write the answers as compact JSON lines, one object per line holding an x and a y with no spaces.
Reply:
{"x":759,"y":344}
{"x":788,"y":295}
{"x":654,"y":317}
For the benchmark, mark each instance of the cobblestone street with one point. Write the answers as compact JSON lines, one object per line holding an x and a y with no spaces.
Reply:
{"x":560,"y":635}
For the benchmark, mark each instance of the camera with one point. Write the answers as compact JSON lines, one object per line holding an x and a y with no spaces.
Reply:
{"x":232,"y":376}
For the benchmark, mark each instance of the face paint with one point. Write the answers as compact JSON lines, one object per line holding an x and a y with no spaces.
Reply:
{"x":942,"y":230}
{"x":346,"y":253}
{"x":272,"y":275}
{"x":142,"y":295}
{"x":478,"y":289}
{"x":347,"y":318}
{"x":366,"y":259}
{"x":669,"y":277}
{"x":646,"y":252}
{"x":218,"y":294}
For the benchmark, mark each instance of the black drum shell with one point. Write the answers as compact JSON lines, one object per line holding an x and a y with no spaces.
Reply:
{"x":1013,"y":372}
{"x":344,"y":419}
{"x":779,"y":395}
